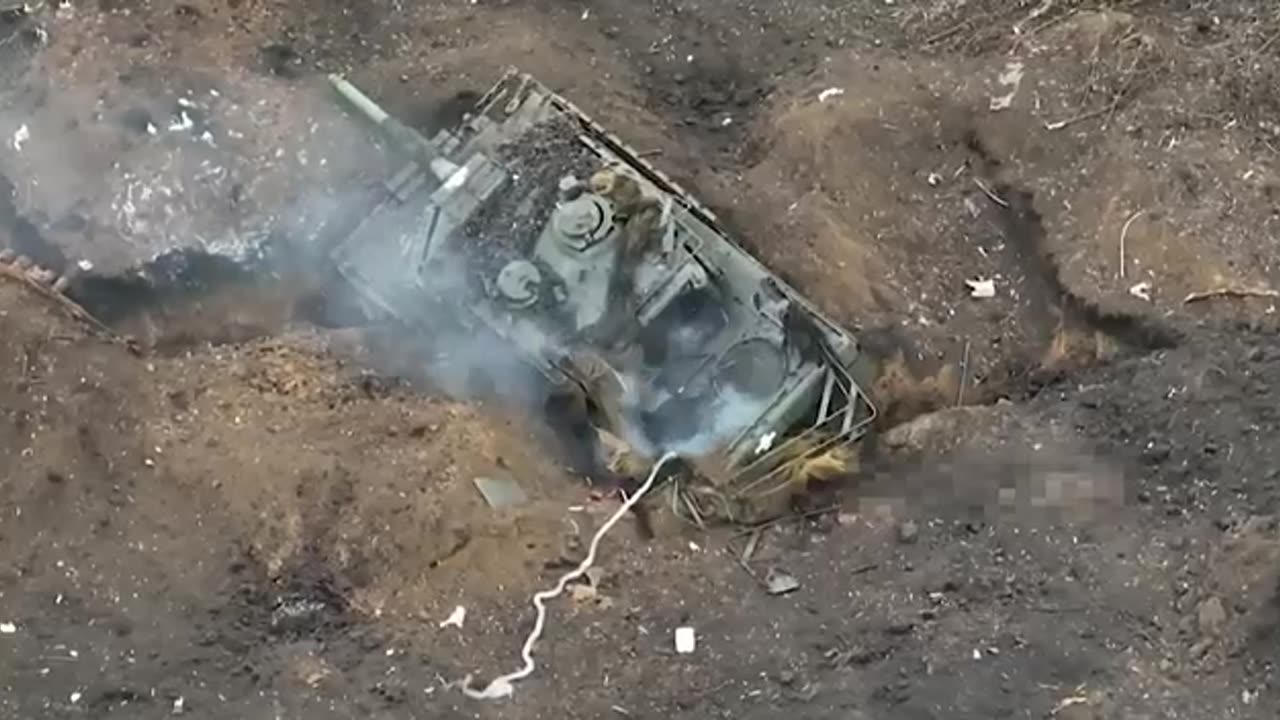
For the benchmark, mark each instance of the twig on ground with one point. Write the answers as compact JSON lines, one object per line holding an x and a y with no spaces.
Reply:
{"x":1068,"y":702}
{"x":785,"y":518}
{"x":1124,"y":232}
{"x":964,"y":374}
{"x":943,"y":35}
{"x":1044,"y":7}
{"x":1060,"y":124}
{"x":752,"y":543}
{"x":986,"y":189}
{"x":1231,"y":292}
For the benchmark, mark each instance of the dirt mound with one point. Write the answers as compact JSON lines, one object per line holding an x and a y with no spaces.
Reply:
{"x":147,"y":492}
{"x":342,"y":466}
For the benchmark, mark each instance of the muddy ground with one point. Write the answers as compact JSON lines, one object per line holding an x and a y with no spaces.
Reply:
{"x":246,"y":515}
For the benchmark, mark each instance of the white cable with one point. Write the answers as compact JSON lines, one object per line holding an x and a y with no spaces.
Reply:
{"x":502,"y":687}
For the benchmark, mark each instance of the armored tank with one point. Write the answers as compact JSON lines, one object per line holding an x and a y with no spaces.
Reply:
{"x":536,"y":225}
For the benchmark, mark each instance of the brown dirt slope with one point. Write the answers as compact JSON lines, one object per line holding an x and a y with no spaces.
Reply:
{"x":202,"y":504}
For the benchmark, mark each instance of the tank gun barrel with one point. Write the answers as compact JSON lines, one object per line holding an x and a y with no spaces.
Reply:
{"x":391,"y":128}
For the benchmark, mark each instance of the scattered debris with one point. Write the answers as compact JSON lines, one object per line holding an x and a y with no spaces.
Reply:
{"x":503,"y":686}
{"x":981,"y":288}
{"x":1011,"y":79}
{"x":182,"y":122}
{"x":589,"y":592}
{"x":20,"y":137}
{"x":8,"y":628}
{"x":686,"y":640}
{"x":829,"y":93}
{"x":1231,"y":292}
{"x":456,"y":618}
{"x":908,"y":532}
{"x":179,"y":704}
{"x":501,"y":492}
{"x":971,"y":205}
{"x":781,"y":583}
{"x":1141,"y":291}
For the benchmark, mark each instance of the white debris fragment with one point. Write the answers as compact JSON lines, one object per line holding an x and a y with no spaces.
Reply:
{"x":1010,"y":79}
{"x":766,"y":442}
{"x":85,"y":265}
{"x":586,"y":13}
{"x":8,"y":628}
{"x":686,"y":640}
{"x":829,"y":93}
{"x":184,"y":122}
{"x":151,"y":128}
{"x":1142,"y":291}
{"x":20,"y":137}
{"x":934,"y":179}
{"x":75,"y":697}
{"x":977,"y":654}
{"x":184,"y":102}
{"x":726,"y":122}
{"x":178,"y":705}
{"x":456,"y":618}
{"x":981,"y":288}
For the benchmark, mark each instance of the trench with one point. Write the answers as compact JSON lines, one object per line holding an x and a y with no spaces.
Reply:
{"x":1025,"y":231}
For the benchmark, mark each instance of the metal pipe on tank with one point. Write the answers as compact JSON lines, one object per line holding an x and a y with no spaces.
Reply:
{"x":393,"y":129}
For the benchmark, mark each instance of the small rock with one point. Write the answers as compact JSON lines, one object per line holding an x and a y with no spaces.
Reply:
{"x":1212,"y":616}
{"x":908,"y":532}
{"x":781,"y":583}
